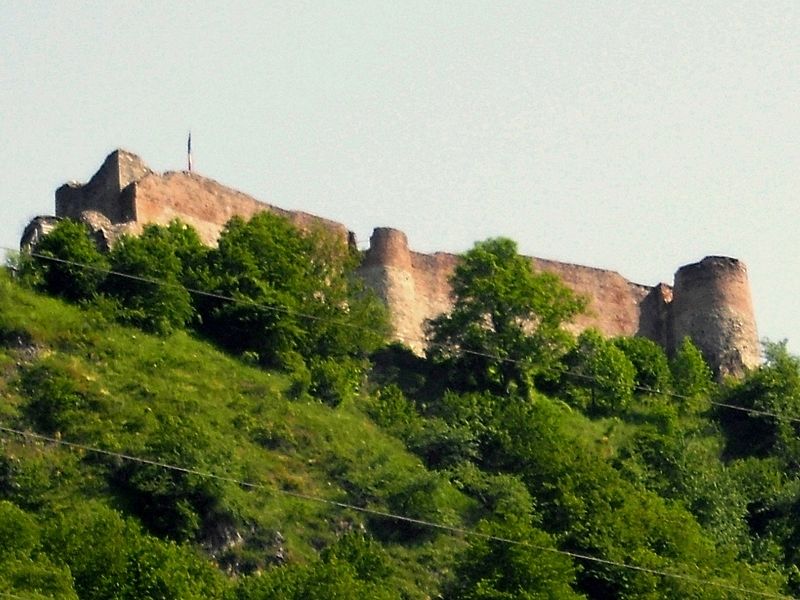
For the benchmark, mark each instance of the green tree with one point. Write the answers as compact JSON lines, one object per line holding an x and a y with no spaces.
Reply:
{"x":296,"y":294}
{"x":168,"y":255}
{"x":110,"y":557}
{"x":600,"y":377}
{"x":351,"y":320}
{"x":770,"y":398}
{"x":692,"y":376}
{"x":506,"y":322}
{"x":25,"y":571}
{"x":176,"y":504}
{"x":588,"y":506}
{"x":524,"y":568}
{"x":264,"y":264}
{"x":526,"y":564}
{"x":649,"y":361}
{"x":67,"y":263}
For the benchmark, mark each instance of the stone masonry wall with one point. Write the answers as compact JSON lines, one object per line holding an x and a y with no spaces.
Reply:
{"x":416,"y":287}
{"x":710,"y":301}
{"x":207,"y":205}
{"x":103,"y":193}
{"x":130,"y":195}
{"x":712,"y":305}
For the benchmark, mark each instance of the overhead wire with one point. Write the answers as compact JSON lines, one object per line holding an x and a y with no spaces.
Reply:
{"x":461,"y":531}
{"x":406,"y":339}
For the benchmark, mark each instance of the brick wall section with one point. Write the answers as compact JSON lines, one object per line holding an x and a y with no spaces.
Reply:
{"x":614,"y":302}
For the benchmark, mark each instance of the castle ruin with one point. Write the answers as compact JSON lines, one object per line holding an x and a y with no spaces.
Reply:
{"x":709,"y":302}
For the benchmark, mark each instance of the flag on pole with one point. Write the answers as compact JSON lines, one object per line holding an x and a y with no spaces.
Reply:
{"x":189,"y":151}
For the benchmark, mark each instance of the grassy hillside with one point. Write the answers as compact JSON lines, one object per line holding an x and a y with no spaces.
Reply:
{"x":163,"y":467}
{"x":69,"y":373}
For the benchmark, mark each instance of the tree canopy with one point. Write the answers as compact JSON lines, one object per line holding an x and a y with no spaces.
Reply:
{"x":506,"y":322}
{"x":296,"y":292}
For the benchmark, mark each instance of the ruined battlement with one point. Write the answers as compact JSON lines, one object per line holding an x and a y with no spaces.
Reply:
{"x":130,"y":195}
{"x":709,"y":302}
{"x":712,"y":305}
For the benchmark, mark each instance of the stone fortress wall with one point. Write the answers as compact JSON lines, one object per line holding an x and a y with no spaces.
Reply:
{"x":709,"y":302}
{"x":124,"y":195}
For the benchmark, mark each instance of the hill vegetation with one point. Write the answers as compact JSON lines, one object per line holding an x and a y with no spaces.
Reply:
{"x":231,"y":423}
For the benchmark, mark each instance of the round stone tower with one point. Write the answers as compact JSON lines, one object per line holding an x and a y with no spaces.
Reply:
{"x":712,"y":305}
{"x":388,"y":269}
{"x":388,"y":247}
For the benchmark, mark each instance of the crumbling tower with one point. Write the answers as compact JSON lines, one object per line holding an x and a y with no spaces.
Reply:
{"x":107,"y":193}
{"x":387,"y":269}
{"x":712,"y":305}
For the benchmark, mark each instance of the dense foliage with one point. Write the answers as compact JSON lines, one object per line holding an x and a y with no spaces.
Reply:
{"x":567,"y":467}
{"x":296,"y":302}
{"x":505,"y":326}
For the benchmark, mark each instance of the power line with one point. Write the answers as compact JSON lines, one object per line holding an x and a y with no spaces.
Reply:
{"x":385,"y":514}
{"x":169,"y":284}
{"x":406,"y":339}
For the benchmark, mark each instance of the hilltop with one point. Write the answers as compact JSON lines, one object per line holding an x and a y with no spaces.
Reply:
{"x":159,"y":465}
{"x":710,"y":301}
{"x":70,"y":374}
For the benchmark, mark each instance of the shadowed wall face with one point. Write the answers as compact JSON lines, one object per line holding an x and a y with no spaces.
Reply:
{"x":104,"y":192}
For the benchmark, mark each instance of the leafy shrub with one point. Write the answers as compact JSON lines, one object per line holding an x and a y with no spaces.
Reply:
{"x":367,"y":558}
{"x":495,"y":570}
{"x":70,"y":242}
{"x":55,"y":402}
{"x":111,"y":558}
{"x":158,"y":307}
{"x":773,"y":392}
{"x":426,"y":497}
{"x":600,"y":378}
{"x":174,"y":503}
{"x":300,"y":379}
{"x":26,"y":478}
{"x":692,"y":376}
{"x":649,"y":360}
{"x":396,"y":364}
{"x":19,"y":533}
{"x":355,"y":567}
{"x":296,"y":293}
{"x":390,"y":409}
{"x":24,"y":569}
{"x":334,"y":381}
{"x":442,"y":445}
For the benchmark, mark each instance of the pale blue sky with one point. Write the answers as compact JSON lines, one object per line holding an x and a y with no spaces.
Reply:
{"x":631,"y":136}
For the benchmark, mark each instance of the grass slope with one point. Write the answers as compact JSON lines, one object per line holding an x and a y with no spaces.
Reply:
{"x":69,"y":373}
